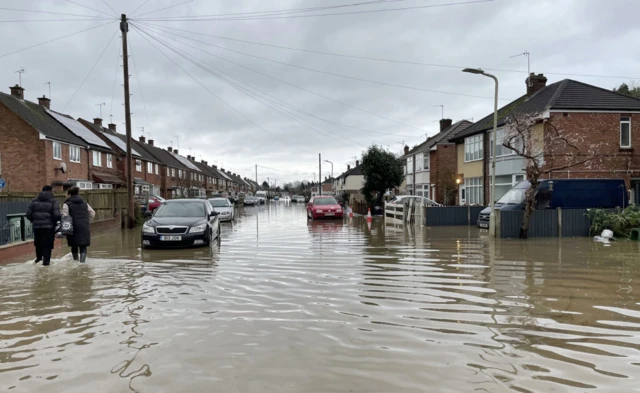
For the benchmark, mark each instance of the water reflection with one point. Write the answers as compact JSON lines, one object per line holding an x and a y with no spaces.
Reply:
{"x":287,"y":305}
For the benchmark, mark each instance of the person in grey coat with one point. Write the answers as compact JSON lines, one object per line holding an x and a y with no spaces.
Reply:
{"x":44,"y":212}
{"x":81,"y":214}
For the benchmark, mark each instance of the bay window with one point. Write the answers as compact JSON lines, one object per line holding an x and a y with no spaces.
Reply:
{"x":419,"y":162}
{"x":473,"y":148}
{"x":474,"y":191}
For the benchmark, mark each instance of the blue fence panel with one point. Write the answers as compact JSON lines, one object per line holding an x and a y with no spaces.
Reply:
{"x":510,"y":223}
{"x":575,"y":222}
{"x":452,"y":215}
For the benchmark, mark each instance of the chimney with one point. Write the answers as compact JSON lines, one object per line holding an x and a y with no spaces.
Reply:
{"x":203,"y":162}
{"x":44,"y":101}
{"x":348,"y":167}
{"x":170,"y":149}
{"x":214,"y":166}
{"x":535,"y":83}
{"x":406,"y":150}
{"x":175,"y":151}
{"x":445,"y":123}
{"x":150,"y":142}
{"x":189,"y":157}
{"x":142,"y":139}
{"x":17,"y":91}
{"x":112,"y":126}
{"x":97,"y":121}
{"x":357,"y":163}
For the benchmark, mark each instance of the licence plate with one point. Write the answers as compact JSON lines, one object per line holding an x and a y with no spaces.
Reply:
{"x":330,"y":214}
{"x":483,"y":225}
{"x":171,"y":238}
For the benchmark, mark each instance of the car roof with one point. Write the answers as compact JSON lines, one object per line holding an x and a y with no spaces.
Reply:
{"x":217,"y":198}
{"x":193,"y":200}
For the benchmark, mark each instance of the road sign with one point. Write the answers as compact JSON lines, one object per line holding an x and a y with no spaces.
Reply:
{"x":2,"y":183}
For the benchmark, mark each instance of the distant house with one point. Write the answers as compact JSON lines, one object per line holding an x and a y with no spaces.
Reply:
{"x":430,"y":168}
{"x":565,"y":108}
{"x":350,"y":182}
{"x":327,"y":186}
{"x":39,"y":146}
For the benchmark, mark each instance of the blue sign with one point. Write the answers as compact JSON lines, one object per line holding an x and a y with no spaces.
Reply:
{"x":2,"y":183}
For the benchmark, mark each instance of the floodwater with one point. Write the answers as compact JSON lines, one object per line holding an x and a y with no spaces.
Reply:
{"x":286,"y":306}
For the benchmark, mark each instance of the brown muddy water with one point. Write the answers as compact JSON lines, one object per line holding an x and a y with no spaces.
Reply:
{"x":286,"y":306}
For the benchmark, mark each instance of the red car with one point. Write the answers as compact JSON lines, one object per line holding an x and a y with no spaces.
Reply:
{"x":324,"y":207}
{"x":154,"y":202}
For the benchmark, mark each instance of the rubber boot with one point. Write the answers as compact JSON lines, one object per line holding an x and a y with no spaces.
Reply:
{"x":83,"y":257}
{"x":75,"y":256}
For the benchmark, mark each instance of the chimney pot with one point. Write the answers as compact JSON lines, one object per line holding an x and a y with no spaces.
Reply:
{"x":17,"y":91}
{"x":348,"y":167}
{"x":175,"y":151}
{"x":535,"y":83}
{"x":150,"y":142}
{"x":170,"y":149}
{"x":44,"y":101}
{"x":445,"y":123}
{"x":112,"y":126}
{"x":97,"y":121}
{"x":188,"y":157}
{"x":406,"y":149}
{"x":142,"y":139}
{"x":357,"y":163}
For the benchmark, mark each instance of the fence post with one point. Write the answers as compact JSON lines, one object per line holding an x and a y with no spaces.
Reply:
{"x":405,"y":207}
{"x":559,"y":221}
{"x":468,"y":215}
{"x":424,"y":215}
{"x":498,"y":221}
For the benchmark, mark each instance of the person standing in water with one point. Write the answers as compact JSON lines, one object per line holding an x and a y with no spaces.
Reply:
{"x":81,"y":214}
{"x":44,"y":212}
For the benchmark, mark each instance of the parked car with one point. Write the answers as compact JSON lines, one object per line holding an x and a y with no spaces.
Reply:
{"x":276,"y":198}
{"x":251,"y":201}
{"x":340,"y":201}
{"x":262,"y":196}
{"x":224,"y":207}
{"x":299,"y":199}
{"x":404,"y":198}
{"x":181,"y":223}
{"x":154,"y":202}
{"x":324,"y":207}
{"x":232,"y":199}
{"x":563,"y":193}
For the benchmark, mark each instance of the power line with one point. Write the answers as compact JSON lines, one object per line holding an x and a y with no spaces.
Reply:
{"x":378,"y":59}
{"x":136,"y":10}
{"x":329,"y":14}
{"x":51,"y":13}
{"x":215,"y":95}
{"x":54,"y":39}
{"x":282,"y":11}
{"x":296,"y":109}
{"x":135,"y":68}
{"x":89,"y":8}
{"x":115,"y":79}
{"x":90,"y":71}
{"x":51,"y":20}
{"x":339,"y":75}
{"x":114,"y":11}
{"x":166,"y":8}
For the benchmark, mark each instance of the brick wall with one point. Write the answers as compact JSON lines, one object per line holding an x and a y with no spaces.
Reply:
{"x":445,"y":172}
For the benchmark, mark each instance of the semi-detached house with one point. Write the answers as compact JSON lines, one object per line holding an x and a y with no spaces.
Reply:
{"x":598,"y":116}
{"x":38,"y":147}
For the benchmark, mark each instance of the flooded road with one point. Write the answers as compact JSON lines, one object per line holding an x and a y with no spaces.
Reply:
{"x":286,"y":306}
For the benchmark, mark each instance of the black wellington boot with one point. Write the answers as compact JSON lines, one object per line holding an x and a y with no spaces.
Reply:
{"x":83,"y":257}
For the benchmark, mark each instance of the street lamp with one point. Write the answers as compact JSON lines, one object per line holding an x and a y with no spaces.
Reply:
{"x":492,"y":216}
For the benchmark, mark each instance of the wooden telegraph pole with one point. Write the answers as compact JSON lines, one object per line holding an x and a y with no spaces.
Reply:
{"x":319,"y":173}
{"x":124,"y":28}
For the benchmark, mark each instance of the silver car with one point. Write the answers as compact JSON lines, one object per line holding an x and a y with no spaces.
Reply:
{"x":224,"y":207}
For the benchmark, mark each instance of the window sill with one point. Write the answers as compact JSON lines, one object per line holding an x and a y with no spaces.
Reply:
{"x":626,"y":149}
{"x":479,"y":159}
{"x":71,"y":161}
{"x":57,"y":159}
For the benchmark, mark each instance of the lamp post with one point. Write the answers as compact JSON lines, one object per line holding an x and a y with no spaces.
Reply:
{"x":492,"y":216}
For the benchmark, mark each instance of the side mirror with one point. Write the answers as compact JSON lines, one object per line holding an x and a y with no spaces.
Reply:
{"x":148,"y":213}
{"x":214,"y":214}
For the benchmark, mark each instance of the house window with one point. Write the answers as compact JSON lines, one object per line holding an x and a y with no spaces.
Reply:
{"x":180,"y":173}
{"x":150,"y":167}
{"x":422,"y":190}
{"x":138,"y":166}
{"x":57,"y":151}
{"x":410,"y":164}
{"x":109,"y":160}
{"x":157,"y":169}
{"x":419,"y":161}
{"x":500,"y":149}
{"x":74,"y":153}
{"x":425,"y":164}
{"x":505,"y":183}
{"x":474,"y":194}
{"x":97,"y":158}
{"x":473,"y":148}
{"x":625,"y":132}
{"x":84,"y":185}
{"x":173,"y":172}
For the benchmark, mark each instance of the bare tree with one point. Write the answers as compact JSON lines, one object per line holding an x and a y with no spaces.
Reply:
{"x":546,"y":149}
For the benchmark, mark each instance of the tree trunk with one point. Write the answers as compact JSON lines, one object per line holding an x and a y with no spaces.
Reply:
{"x":530,"y":197}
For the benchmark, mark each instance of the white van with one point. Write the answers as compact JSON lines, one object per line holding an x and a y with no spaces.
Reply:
{"x":262,"y":196}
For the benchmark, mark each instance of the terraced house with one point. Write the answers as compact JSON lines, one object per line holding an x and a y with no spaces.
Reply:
{"x":39,"y":146}
{"x":588,"y":115}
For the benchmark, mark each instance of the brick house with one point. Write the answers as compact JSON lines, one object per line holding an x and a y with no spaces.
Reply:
{"x":34,"y":144}
{"x":431,"y":167}
{"x":210,"y":176}
{"x":596,"y":115}
{"x":173,"y":174}
{"x":327,"y":186}
{"x":192,"y":180}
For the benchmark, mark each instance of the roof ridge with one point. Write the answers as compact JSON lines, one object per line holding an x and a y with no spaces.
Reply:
{"x":558,"y":93}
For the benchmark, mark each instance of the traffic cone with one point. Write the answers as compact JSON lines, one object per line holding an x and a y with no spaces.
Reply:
{"x":369,"y":218}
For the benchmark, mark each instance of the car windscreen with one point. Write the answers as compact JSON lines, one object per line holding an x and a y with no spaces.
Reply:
{"x":219,"y":202}
{"x":325,"y":201}
{"x":514,"y":196}
{"x":187,"y":209}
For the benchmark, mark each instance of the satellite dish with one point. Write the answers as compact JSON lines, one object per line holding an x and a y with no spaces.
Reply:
{"x":63,"y":167}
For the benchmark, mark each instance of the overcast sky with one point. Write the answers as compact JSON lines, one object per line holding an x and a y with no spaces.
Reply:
{"x":269,"y":124}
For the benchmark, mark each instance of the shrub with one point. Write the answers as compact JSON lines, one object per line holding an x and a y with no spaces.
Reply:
{"x":620,"y":222}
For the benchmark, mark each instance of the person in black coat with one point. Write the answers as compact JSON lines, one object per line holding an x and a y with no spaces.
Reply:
{"x":44,"y":213}
{"x":81,"y":214}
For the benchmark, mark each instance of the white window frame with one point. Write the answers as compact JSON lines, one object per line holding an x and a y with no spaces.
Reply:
{"x":474,"y":190}
{"x":625,"y":120}
{"x":173,"y":172}
{"x":109,"y":160}
{"x":74,"y":153}
{"x":179,"y":173}
{"x":149,"y":167}
{"x":409,"y":164}
{"x":419,"y":161}
{"x":502,"y":150}
{"x":426,"y":161}
{"x":96,"y":158}
{"x":138,"y":165}
{"x":474,"y":148}
{"x":157,"y":169}
{"x":57,"y":146}
{"x":84,"y":185}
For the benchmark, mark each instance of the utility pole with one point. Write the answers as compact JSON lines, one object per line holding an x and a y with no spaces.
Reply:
{"x":124,"y":28}
{"x":319,"y":174}
{"x":258,"y":184}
